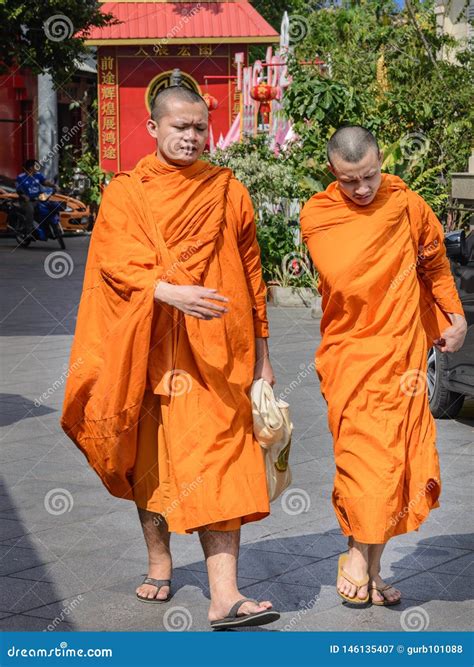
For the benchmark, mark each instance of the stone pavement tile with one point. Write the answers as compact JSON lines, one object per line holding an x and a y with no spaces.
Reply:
{"x":12,"y":529}
{"x":320,"y":573}
{"x":258,"y":564}
{"x":22,"y":430}
{"x":458,"y":540}
{"x":18,"y":595}
{"x":74,"y":573}
{"x":80,"y":537}
{"x":23,"y":623}
{"x":286,"y":598}
{"x":108,"y":609}
{"x":13,"y":560}
{"x":29,"y":505}
{"x":313,"y":545}
{"x":419,"y":557}
{"x":463,"y":566}
{"x":40,"y":520}
{"x":185,"y":550}
{"x":429,"y":585}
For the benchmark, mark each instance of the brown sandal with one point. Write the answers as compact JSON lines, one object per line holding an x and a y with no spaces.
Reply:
{"x":384,"y":602}
{"x":358,"y":584}
{"x":159,"y":583}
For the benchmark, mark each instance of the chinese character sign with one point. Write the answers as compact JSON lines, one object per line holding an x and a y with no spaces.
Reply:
{"x":108,"y":113}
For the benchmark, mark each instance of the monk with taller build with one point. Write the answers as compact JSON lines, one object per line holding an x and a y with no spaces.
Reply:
{"x":171,"y":332}
{"x":387,"y":294}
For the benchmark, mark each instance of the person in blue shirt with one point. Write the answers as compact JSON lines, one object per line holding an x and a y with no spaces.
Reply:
{"x":29,"y":185}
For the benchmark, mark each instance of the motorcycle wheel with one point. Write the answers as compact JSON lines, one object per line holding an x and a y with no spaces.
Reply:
{"x":58,"y":234}
{"x":23,"y":241}
{"x":16,"y":222}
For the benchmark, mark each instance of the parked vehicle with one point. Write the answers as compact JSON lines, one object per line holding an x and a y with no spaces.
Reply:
{"x":46,"y":219}
{"x":74,"y":217}
{"x":451,"y":375}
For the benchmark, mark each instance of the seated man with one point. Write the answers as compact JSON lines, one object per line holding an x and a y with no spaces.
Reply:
{"x":28,"y":187}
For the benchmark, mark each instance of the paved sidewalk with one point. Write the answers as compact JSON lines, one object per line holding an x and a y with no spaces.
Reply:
{"x":71,"y":556}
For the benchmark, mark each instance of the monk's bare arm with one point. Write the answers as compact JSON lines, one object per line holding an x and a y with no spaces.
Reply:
{"x":435,"y":271}
{"x":263,"y":367}
{"x":192,"y":300}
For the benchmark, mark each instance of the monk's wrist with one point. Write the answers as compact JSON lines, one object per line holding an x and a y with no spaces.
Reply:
{"x":162,"y":291}
{"x":261,"y":348}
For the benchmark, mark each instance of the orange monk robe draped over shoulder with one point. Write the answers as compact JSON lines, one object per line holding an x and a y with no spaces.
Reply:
{"x":190,"y":225}
{"x":372,"y":359}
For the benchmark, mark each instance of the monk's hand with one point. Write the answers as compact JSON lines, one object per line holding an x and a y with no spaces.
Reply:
{"x":452,"y":338}
{"x":193,"y":300}
{"x":263,"y":367}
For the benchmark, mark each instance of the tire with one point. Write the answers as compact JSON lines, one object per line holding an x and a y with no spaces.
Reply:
{"x":16,"y":222}
{"x":58,"y":234}
{"x":444,"y":403}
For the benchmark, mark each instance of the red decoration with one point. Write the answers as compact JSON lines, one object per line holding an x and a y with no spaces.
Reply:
{"x":264,"y":93}
{"x":210,"y":101}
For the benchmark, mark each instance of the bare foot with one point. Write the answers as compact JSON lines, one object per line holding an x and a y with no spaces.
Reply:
{"x":220,"y":609}
{"x":160,"y":570}
{"x":356,"y":568}
{"x":391,"y":594}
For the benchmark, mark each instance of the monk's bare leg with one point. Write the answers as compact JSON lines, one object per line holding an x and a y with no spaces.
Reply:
{"x":391,"y":594}
{"x":221,"y":550}
{"x":157,"y":538}
{"x":357,"y":566}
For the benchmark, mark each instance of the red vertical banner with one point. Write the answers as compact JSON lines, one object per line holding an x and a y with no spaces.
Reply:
{"x":108,"y":120}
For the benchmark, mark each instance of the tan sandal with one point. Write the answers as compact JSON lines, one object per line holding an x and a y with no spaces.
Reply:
{"x":384,"y":602}
{"x":358,"y":584}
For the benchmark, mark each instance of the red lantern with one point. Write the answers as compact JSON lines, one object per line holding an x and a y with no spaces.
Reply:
{"x":210,"y":101}
{"x":264,"y":93}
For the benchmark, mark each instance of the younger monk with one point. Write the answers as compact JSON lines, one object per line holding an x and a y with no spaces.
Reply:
{"x":387,"y":293}
{"x":171,"y":331}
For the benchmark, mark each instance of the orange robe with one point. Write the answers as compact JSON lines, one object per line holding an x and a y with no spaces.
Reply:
{"x":158,"y":401}
{"x":382,"y":305}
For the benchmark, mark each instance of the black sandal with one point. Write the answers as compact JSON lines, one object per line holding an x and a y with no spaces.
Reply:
{"x":159,"y":583}
{"x":234,"y":621}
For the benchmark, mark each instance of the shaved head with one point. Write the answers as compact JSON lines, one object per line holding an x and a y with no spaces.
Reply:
{"x":159,"y":107}
{"x":351,"y":143}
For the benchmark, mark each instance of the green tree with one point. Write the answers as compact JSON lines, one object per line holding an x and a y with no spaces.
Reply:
{"x":43,"y":36}
{"x":384,"y":70}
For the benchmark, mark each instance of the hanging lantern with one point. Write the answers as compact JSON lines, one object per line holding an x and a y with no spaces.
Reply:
{"x":264,"y":93}
{"x":210,"y":101}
